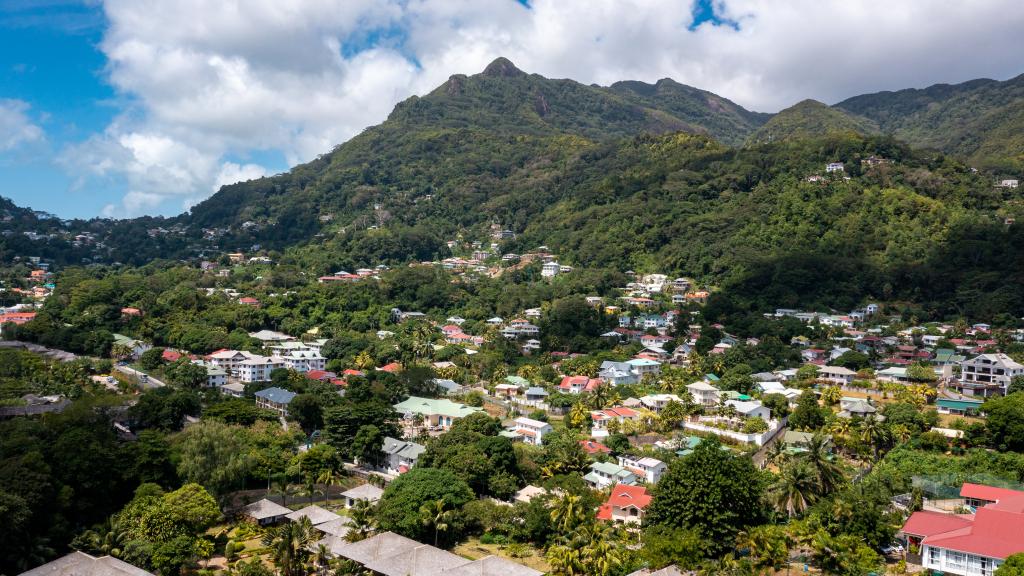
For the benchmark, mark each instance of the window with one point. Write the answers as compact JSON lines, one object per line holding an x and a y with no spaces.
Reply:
{"x":933,"y":557}
{"x":956,"y":561}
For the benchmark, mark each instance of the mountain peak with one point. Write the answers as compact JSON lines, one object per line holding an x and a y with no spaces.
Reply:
{"x":502,"y":67}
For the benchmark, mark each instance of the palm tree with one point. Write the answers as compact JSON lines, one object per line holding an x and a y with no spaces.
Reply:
{"x":876,"y":434}
{"x":437,"y":515}
{"x":329,"y":477}
{"x":767,"y":547}
{"x":831,"y":395}
{"x":363,"y":521}
{"x":289,"y":546}
{"x":566,"y":561}
{"x":364,"y":361}
{"x":283,"y":486}
{"x":567,"y":513}
{"x":602,"y":557}
{"x":776,"y":454}
{"x":795,"y":489}
{"x":901,"y":433}
{"x":828,"y":472}
{"x":309,"y":488}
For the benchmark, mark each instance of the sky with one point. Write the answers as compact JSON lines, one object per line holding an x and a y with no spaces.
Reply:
{"x":121,"y":108}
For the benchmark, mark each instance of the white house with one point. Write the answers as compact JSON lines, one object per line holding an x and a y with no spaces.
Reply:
{"x":650,"y":469}
{"x":750,"y":409}
{"x":641,"y":366}
{"x":834,"y":167}
{"x":399,"y":455}
{"x":657,"y":402}
{"x":836,"y":375}
{"x":988,"y":374}
{"x":704,"y":394}
{"x":215,"y":376}
{"x":302,"y":360}
{"x":257,"y":368}
{"x":530,"y":430}
{"x":605,"y":474}
{"x":550,"y":269}
{"x":276,"y":399}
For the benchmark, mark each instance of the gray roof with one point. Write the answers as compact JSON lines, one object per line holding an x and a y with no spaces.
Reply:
{"x":409,"y":450}
{"x":339,"y":527}
{"x":536,"y":391}
{"x":265,"y":509}
{"x":364,"y":492}
{"x":377,"y":547}
{"x":276,"y":395}
{"x":316,"y":515}
{"x":666,"y":571}
{"x":423,"y":560}
{"x":82,"y":564}
{"x":493,"y":566}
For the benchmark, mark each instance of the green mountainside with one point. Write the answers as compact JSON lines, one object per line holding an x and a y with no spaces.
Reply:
{"x":809,"y":119}
{"x":982,"y":120}
{"x":633,"y":176}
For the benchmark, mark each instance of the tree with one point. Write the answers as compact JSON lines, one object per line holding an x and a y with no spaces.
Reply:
{"x":672,"y":415}
{"x":1016,"y":385}
{"x":845,"y":555}
{"x":1013,"y":566}
{"x":151,"y":359}
{"x":777,"y":403}
{"x":578,"y":417}
{"x":795,"y":490}
{"x":853,"y":360}
{"x":164,"y":408}
{"x":399,"y":507}
{"x":666,"y":545}
{"x":436,"y":515}
{"x":186,"y":374}
{"x":767,"y":546}
{"x":712,"y":491}
{"x":307,"y":409}
{"x":921,"y":372}
{"x":567,"y":513}
{"x":290,"y":544}
{"x":364,"y":521}
{"x":807,"y":415}
{"x":1005,"y":422}
{"x":828,"y":473}
{"x":831,"y":395}
{"x":366,"y":446}
{"x":875,"y":433}
{"x":215,"y":455}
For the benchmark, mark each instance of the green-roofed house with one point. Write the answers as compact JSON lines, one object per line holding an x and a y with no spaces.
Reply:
{"x":518,"y":381}
{"x":437,"y":412}
{"x":958,"y":406}
{"x":605,"y":474}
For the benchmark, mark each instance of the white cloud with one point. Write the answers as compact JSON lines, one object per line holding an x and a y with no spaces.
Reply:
{"x":16,"y":128}
{"x":213,"y":80}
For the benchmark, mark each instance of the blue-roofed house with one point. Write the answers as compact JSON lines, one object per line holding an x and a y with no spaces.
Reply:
{"x":276,"y":399}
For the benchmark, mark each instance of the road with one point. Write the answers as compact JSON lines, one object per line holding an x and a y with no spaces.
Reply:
{"x":150,"y":382}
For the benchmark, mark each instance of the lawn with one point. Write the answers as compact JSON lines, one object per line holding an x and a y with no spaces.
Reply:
{"x":474,"y":550}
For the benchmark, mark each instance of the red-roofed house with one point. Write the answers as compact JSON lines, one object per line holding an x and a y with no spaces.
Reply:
{"x":391,"y":368}
{"x":577,"y":384}
{"x":591,"y":447}
{"x":171,"y":355}
{"x":601,"y":418}
{"x":625,"y":505}
{"x":16,"y":317}
{"x":321,"y":375}
{"x":249,"y":301}
{"x":451,"y":329}
{"x":131,"y":312}
{"x":969,"y":545}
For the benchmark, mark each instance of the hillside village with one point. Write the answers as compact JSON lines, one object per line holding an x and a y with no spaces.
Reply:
{"x":596,"y":433}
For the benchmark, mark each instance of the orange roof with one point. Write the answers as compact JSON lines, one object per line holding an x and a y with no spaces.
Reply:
{"x":591,"y":447}
{"x":391,"y":368}
{"x":17,"y":317}
{"x":624,"y":496}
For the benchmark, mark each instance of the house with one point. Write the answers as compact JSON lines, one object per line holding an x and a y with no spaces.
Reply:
{"x":256,"y":368}
{"x":617,"y":373}
{"x":836,"y":375}
{"x":266,"y":512}
{"x":492,"y":566}
{"x":448,"y":387}
{"x":601,"y":418}
{"x":137,"y":347}
{"x":988,"y":374}
{"x":82,"y":564}
{"x":834,"y":167}
{"x":270,"y":336}
{"x":436,"y":413}
{"x":893,"y":374}
{"x":1008,"y":183}
{"x":399,"y":455}
{"x":550,"y":269}
{"x":625,"y":505}
{"x":235,"y":390}
{"x":605,"y":474}
{"x":577,"y":384}
{"x":959,"y":406}
{"x":276,"y":399}
{"x":303,"y":360}
{"x":536,"y":394}
{"x":388,"y":554}
{"x":704,"y":394}
{"x":215,"y":377}
{"x":362,"y":493}
{"x":227,"y":359}
{"x":591,"y":447}
{"x":750,"y":409}
{"x":642,"y":366}
{"x":647,"y":468}
{"x":856,"y":408}
{"x":249,"y":301}
{"x":531,"y":431}
{"x":965,"y":544}
{"x":315,"y":514}
{"x":657,"y":402}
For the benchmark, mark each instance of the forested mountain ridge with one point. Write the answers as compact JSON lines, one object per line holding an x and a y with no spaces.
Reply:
{"x":982,"y":120}
{"x":808,"y":119}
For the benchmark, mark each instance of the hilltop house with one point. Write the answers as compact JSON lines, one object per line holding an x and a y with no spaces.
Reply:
{"x":704,"y":394}
{"x":966,"y":544}
{"x":625,"y":505}
{"x":605,"y":474}
{"x":647,"y":468}
{"x":437,"y":413}
{"x":531,"y":431}
{"x":400,"y":456}
{"x":276,"y":399}
{"x":988,"y":374}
